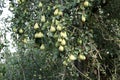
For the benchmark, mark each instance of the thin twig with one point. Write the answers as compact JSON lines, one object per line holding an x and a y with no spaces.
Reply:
{"x":98,"y":71}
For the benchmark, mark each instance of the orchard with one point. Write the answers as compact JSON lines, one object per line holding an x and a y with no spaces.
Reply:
{"x":64,"y":40}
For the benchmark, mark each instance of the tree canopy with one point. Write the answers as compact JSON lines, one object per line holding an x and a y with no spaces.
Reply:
{"x":64,"y":40}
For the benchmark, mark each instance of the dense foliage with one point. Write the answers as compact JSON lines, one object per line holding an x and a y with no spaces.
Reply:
{"x":64,"y":40}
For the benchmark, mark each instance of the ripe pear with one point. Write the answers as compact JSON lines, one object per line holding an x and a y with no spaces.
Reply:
{"x":60,"y":13}
{"x":59,"y":40}
{"x":63,"y":34}
{"x":43,"y":18}
{"x":52,"y":29}
{"x":63,"y":42}
{"x":72,"y":57}
{"x":81,"y":57}
{"x":65,"y":63}
{"x":20,"y":31}
{"x":56,"y":12}
{"x":61,"y":48}
{"x":14,"y":29}
{"x":83,"y":18}
{"x":36,"y":35}
{"x":40,"y":35}
{"x":24,"y":40}
{"x":36,"y":26}
{"x":42,"y":47}
{"x":40,"y":4}
{"x":86,"y":3}
{"x":59,"y":28}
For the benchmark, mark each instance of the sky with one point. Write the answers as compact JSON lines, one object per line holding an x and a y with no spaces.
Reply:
{"x":4,"y":15}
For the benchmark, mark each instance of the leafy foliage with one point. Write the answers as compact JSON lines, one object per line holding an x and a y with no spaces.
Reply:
{"x":64,"y":39}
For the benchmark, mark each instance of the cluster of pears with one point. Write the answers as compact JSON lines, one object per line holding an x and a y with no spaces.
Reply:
{"x":62,"y":35}
{"x":39,"y":35}
{"x":85,"y":4}
{"x":62,"y":41}
{"x":73,"y":57}
{"x":20,"y":31}
{"x":57,"y":12}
